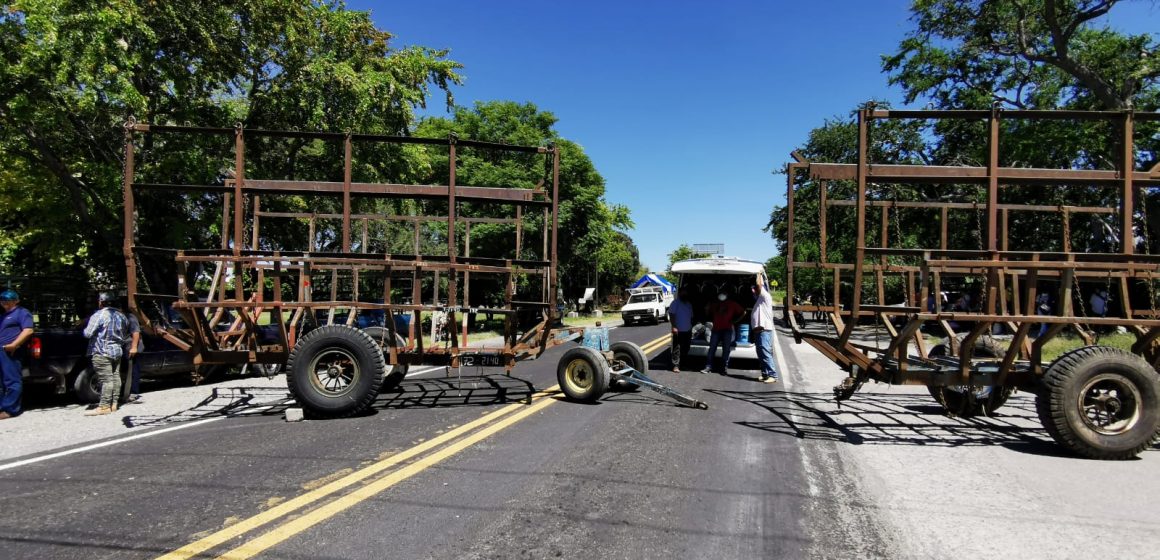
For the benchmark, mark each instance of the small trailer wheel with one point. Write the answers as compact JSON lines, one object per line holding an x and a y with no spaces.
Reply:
{"x":397,"y":372}
{"x":335,"y":371}
{"x":1101,"y":402}
{"x":634,"y":357}
{"x":954,"y":398}
{"x":583,"y":374}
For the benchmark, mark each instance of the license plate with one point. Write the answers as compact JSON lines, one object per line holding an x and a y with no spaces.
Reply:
{"x":480,"y":360}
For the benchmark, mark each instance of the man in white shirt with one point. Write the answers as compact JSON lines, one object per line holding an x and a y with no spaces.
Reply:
{"x":761,"y":322}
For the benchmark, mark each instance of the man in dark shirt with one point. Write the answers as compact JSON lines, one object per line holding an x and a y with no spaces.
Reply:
{"x":16,"y":328}
{"x":681,"y":318}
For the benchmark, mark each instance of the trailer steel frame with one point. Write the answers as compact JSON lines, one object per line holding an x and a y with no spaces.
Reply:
{"x":1010,"y":276}
{"x":243,"y":259}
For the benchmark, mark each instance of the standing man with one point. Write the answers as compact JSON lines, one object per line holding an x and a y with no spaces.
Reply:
{"x":681,"y":318}
{"x":15,"y":329}
{"x":761,"y":321}
{"x":725,"y":314}
{"x":133,"y":350}
{"x":108,"y":334}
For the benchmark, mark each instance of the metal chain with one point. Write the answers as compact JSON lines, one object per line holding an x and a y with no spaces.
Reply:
{"x":1147,"y":248}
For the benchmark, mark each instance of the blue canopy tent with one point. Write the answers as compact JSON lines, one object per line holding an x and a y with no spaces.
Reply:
{"x":654,"y":280}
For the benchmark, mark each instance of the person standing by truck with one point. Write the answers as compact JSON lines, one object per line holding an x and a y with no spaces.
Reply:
{"x":108,"y":334}
{"x":761,"y":321}
{"x":725,"y":314}
{"x":681,"y":318}
{"x":132,"y":351}
{"x":16,"y":327}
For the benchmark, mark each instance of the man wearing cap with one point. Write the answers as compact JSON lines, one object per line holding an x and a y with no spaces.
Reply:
{"x":15,"y":329}
{"x":108,"y":334}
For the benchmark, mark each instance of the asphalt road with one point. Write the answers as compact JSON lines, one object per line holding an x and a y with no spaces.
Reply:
{"x":480,"y":465}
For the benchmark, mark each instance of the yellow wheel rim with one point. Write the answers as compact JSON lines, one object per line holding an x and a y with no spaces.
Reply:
{"x":579,"y":376}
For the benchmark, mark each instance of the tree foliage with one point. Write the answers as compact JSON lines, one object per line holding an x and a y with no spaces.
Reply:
{"x":682,"y":253}
{"x":1022,"y":54}
{"x":72,"y":72}
{"x":592,"y":231}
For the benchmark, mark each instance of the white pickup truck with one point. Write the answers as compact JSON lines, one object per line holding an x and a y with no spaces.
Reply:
{"x":650,"y":304}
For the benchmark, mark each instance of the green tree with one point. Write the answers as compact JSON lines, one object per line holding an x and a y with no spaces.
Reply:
{"x":1030,"y":54}
{"x":592,"y":231}
{"x":1025,"y":54}
{"x":72,"y":72}
{"x":681,"y":253}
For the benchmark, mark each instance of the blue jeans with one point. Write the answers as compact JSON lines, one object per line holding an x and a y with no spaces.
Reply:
{"x":11,"y":383}
{"x":725,"y":337}
{"x":765,"y":353}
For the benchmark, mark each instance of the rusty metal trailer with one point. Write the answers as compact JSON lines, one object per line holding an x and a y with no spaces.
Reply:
{"x":311,"y":275}
{"x":1098,"y":401}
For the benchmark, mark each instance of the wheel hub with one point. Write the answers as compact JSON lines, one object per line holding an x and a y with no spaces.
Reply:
{"x":1110,"y":404}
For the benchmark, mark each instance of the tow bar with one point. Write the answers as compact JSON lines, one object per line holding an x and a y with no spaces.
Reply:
{"x":630,"y":375}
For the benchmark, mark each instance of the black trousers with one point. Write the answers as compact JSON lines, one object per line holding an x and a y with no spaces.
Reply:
{"x":680,"y":347}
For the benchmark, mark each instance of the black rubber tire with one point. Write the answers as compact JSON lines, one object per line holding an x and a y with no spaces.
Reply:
{"x":396,"y":373}
{"x":341,"y":346}
{"x":87,"y":386}
{"x":987,"y":399}
{"x":632,"y":355}
{"x":1074,"y":373}
{"x":582,"y":374}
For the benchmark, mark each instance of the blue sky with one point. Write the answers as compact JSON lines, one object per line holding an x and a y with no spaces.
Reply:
{"x":686,"y":108}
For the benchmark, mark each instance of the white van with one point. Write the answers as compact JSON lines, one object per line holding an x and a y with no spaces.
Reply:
{"x":703,"y":279}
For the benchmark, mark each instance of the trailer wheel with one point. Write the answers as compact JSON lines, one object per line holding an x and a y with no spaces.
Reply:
{"x":582,"y":374}
{"x":335,"y":371}
{"x":954,"y":398}
{"x":633,"y":356}
{"x":397,"y":372}
{"x":87,"y":386}
{"x":1101,"y":402}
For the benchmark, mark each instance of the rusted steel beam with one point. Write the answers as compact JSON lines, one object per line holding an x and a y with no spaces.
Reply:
{"x":898,"y":173}
{"x":462,"y":192}
{"x":380,"y":217}
{"x":336,"y":136}
{"x":974,"y":206}
{"x":860,"y":225}
{"x":129,"y":223}
{"x":346,"y":172}
{"x":1026,"y":114}
{"x":1128,"y":191}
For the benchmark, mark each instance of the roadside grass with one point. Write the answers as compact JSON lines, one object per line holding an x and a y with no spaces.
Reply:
{"x":1063,"y":343}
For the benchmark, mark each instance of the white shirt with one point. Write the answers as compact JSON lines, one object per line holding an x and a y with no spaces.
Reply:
{"x":762,"y":316}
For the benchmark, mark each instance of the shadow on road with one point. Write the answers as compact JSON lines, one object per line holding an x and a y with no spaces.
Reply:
{"x":897,"y":419}
{"x":475,"y":390}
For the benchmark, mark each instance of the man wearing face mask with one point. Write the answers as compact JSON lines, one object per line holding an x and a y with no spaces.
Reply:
{"x":725,"y":314}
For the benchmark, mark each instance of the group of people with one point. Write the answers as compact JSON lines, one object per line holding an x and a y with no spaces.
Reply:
{"x":113,"y":336}
{"x":726,"y":315}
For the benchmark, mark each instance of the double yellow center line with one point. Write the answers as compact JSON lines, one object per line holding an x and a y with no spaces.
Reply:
{"x":653,"y":346}
{"x":424,"y":456}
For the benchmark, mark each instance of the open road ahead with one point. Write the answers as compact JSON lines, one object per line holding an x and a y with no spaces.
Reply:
{"x":480,"y":465}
